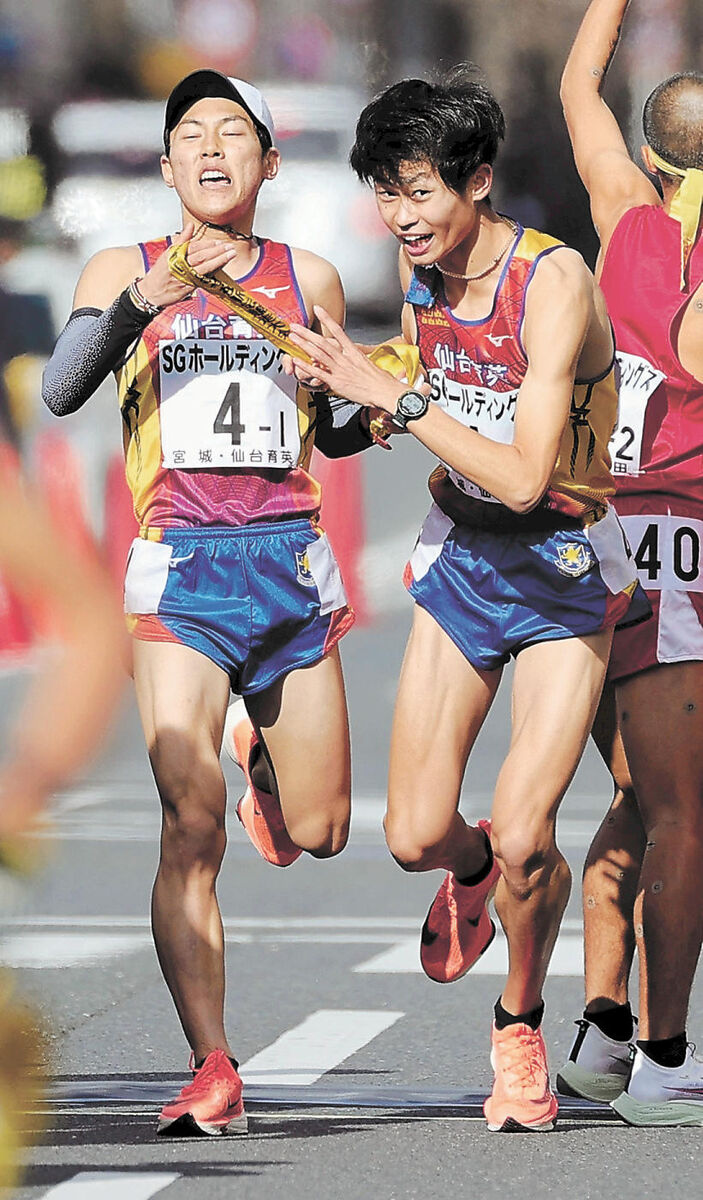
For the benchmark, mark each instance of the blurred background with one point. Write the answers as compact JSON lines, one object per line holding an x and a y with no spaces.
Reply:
{"x":82,"y":88}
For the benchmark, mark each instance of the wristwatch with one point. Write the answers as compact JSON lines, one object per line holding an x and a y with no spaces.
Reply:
{"x":411,"y":406}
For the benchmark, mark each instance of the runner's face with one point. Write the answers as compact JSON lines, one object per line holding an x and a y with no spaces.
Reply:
{"x":428,"y":218}
{"x":215,"y":162}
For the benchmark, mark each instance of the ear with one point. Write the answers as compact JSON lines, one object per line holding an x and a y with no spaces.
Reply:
{"x":272,"y":161}
{"x":481,"y":182}
{"x":167,"y":170}
{"x":648,"y":161}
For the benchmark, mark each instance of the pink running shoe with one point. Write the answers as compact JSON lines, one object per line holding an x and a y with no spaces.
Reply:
{"x":259,"y":812}
{"x":457,"y":928}
{"x":522,"y":1099}
{"x":210,"y":1106}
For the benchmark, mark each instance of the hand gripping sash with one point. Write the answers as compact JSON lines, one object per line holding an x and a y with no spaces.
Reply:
{"x":273,"y":327}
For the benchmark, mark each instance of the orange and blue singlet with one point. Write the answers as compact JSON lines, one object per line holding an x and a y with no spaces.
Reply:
{"x":230,"y":560}
{"x":477,"y":367}
{"x":215,"y":433}
{"x":566,"y":574}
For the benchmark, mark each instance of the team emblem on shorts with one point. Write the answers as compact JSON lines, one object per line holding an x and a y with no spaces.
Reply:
{"x":574,"y":559}
{"x":303,"y":572}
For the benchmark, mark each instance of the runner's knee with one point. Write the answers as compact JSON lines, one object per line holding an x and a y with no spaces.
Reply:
{"x":322,"y":834}
{"x":413,"y":846}
{"x":526,"y":856}
{"x":193,"y":824}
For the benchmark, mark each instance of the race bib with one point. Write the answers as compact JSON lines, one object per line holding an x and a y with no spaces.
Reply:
{"x":215,"y":413}
{"x":667,"y":552}
{"x":488,"y":412}
{"x":638,"y":380}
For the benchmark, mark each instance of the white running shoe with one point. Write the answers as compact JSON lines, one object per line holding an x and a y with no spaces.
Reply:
{"x":598,"y":1067}
{"x":663,"y":1095}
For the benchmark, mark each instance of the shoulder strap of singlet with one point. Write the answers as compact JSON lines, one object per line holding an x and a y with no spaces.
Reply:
{"x":153,"y":250}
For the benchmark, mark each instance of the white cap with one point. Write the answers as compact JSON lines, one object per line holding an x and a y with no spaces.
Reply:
{"x":206,"y":82}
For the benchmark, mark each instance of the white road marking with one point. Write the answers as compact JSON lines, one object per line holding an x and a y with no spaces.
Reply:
{"x":128,"y":812}
{"x":111,"y":1185}
{"x":323,"y":1040}
{"x":55,"y":942}
{"x":404,"y":958}
{"x":30,"y":950}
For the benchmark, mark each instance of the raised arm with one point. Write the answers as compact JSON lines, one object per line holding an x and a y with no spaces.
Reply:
{"x":613,"y":181}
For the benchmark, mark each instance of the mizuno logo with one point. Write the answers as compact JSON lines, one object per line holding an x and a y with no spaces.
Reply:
{"x":498,"y":341}
{"x":270,"y":292}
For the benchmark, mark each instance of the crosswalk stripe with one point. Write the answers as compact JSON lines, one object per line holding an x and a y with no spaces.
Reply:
{"x":111,"y":1185}
{"x":323,"y":1040}
{"x":404,"y":958}
{"x":41,"y":950}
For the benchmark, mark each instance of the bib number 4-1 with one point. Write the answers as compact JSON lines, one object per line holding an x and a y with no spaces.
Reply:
{"x":211,"y":419}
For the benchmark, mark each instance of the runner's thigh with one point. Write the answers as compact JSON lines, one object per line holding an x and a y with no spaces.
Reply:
{"x":661,"y":717}
{"x":182,"y":697}
{"x":556,"y":689}
{"x":305,"y":726}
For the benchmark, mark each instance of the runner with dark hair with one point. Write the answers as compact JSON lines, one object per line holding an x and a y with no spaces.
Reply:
{"x":521,"y":555}
{"x":231,"y":583}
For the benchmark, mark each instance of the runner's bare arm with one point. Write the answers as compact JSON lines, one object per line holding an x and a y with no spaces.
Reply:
{"x":559,"y":314}
{"x":613,"y":181}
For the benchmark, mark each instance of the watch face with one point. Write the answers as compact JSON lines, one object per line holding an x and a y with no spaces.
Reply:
{"x":412,"y":404}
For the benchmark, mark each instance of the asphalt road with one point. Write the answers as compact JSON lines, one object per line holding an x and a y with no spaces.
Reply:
{"x":363,"y":1079}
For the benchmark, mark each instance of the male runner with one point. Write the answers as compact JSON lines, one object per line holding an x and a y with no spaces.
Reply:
{"x":520,"y":554}
{"x":648,"y":851}
{"x":230,"y":584}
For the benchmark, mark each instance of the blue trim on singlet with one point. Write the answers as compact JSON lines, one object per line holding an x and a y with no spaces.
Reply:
{"x":263,"y":242}
{"x":296,"y":286}
{"x":521,"y":317}
{"x":143,"y":245}
{"x":504,"y":272}
{"x":420,"y":294}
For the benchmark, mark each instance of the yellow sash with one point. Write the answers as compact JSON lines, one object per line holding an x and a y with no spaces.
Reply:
{"x":686,"y":205}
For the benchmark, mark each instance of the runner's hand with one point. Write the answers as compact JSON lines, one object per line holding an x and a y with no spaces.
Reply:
{"x":206,"y":253}
{"x":303,"y":373}
{"x":345,"y":368}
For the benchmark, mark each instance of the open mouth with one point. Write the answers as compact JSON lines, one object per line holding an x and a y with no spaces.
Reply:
{"x":213,"y":179}
{"x":417,"y":244}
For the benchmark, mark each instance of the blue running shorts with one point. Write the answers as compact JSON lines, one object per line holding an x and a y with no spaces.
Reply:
{"x":259,"y":600}
{"x":496,"y":593}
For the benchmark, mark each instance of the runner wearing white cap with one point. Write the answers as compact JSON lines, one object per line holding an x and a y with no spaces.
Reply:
{"x":231,"y":583}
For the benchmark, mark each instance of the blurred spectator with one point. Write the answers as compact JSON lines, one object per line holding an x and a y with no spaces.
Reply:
{"x":26,"y":334}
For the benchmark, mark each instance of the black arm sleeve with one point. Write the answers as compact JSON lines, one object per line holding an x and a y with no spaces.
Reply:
{"x":338,"y":429}
{"x":92,"y":344}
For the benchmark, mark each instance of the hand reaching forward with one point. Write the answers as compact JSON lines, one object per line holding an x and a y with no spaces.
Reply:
{"x":344,"y":368}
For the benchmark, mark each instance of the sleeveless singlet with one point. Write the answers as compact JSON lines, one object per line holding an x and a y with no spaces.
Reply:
{"x":658,"y":444}
{"x":214,"y":432}
{"x":476,"y":369}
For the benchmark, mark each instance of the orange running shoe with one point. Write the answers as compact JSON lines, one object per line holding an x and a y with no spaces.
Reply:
{"x":259,"y":812}
{"x":522,"y":1098}
{"x":210,"y":1106}
{"x":457,"y":928}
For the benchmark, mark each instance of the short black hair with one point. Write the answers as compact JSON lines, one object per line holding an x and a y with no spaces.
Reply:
{"x":673,"y":120}
{"x":455,"y":125}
